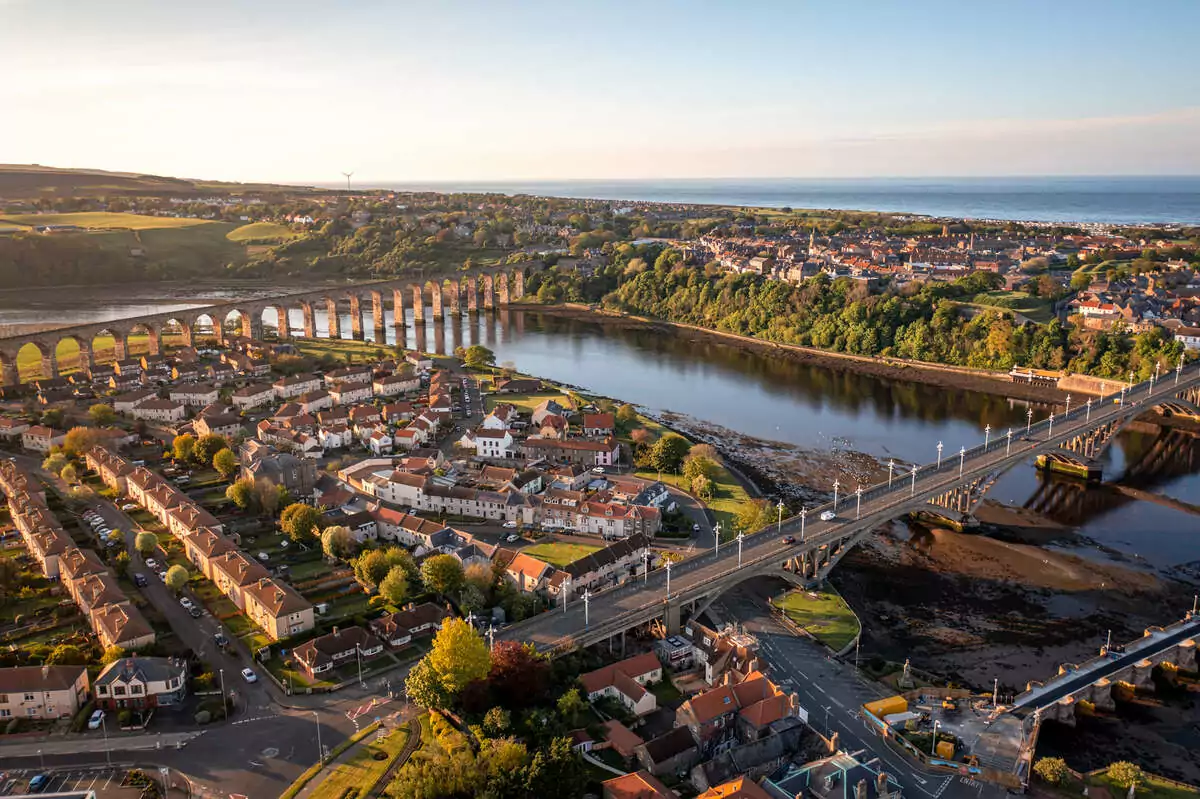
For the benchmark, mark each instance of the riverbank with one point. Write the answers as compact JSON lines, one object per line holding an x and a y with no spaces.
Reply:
{"x":943,"y":376}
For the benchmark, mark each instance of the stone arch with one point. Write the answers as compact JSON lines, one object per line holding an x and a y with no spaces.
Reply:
{"x":244,"y":324}
{"x":489,"y":296}
{"x":140,"y":329}
{"x":472,"y":294}
{"x":210,"y":321}
{"x":378,"y":314}
{"x":177,"y":326}
{"x":41,"y":363}
{"x":108,"y":345}
{"x":356,"y":319}
{"x":276,"y":315}
{"x":333,"y":319}
{"x":77,"y":352}
{"x":310,"y":319}
{"x":453,"y":290}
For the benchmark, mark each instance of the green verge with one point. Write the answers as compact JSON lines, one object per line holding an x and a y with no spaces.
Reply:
{"x":316,"y":768}
{"x":824,"y":614}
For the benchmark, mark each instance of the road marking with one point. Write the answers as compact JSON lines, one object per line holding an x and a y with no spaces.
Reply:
{"x":835,"y":700}
{"x":818,"y":687}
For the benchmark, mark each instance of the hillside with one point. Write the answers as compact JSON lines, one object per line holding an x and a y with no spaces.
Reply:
{"x":32,"y":181}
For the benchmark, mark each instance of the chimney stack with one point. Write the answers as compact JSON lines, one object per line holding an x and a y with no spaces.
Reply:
{"x":860,"y":789}
{"x":881,"y":784}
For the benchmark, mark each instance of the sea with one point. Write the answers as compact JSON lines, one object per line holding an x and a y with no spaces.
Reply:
{"x":1098,"y":200}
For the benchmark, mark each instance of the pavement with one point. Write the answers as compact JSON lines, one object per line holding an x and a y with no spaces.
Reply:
{"x":832,"y":692}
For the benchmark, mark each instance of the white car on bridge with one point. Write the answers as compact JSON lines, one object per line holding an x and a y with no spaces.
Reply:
{"x":828,"y":516}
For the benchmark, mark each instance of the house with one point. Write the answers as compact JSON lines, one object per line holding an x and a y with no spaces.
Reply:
{"x":398,"y":412}
{"x":111,"y":468}
{"x":740,"y":788}
{"x":600,"y":425}
{"x":589,"y":453}
{"x":263,"y":461}
{"x":379,"y":442}
{"x":413,"y":621}
{"x":490,"y":443}
{"x":40,"y":438}
{"x":123,"y":626}
{"x":221,"y":373}
{"x":254,"y":395}
{"x":638,"y":785}
{"x":195,"y":395}
{"x":612,"y":565}
{"x":839,"y":776}
{"x":125,"y":403}
{"x":42,"y":692}
{"x":142,"y":682}
{"x":288,"y":387}
{"x":186,"y":372}
{"x":717,"y":653}
{"x":343,"y":645}
{"x":277,"y":608}
{"x":226,"y":425}
{"x":187,"y":516}
{"x":422,"y":363}
{"x":621,"y":739}
{"x":160,"y":410}
{"x":313,"y":401}
{"x":518,"y":385}
{"x":203,"y":545}
{"x":529,"y":573}
{"x":233,"y":571}
{"x":11,"y":428}
{"x":349,"y":393}
{"x":408,"y":438}
{"x":364,"y":414}
{"x":349,"y":374}
{"x":626,"y":682}
{"x":549,"y":407}
{"x":391,"y":385}
{"x":672,"y":752}
{"x":336,"y":436}
{"x":721,"y":717}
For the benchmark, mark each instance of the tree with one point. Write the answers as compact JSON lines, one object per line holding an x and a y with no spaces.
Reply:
{"x":496,"y":722}
{"x":754,"y":515}
{"x":627,"y":414}
{"x":703,"y":487}
{"x":478,"y":356}
{"x":1051,"y":769}
{"x":337,"y":542}
{"x":442,"y":574}
{"x":102,"y":414}
{"x":1080,"y":281}
{"x":705,"y":451}
{"x":300,"y":521}
{"x":208,"y":446}
{"x":699,"y":466}
{"x":112,"y":655}
{"x":79,"y":440}
{"x":184,"y":447}
{"x":53,"y":417}
{"x":668,"y":452}
{"x":69,"y":473}
{"x":424,"y":686}
{"x":145,"y":543}
{"x":54,"y":462}
{"x":226,"y":463}
{"x":394,"y":587}
{"x":459,"y":656}
{"x":570,"y":705}
{"x":268,"y":497}
{"x":177,"y":578}
{"x":242,"y":494}
{"x":67,"y":655}
{"x":520,"y":676}
{"x":557,"y":771}
{"x":1124,"y":773}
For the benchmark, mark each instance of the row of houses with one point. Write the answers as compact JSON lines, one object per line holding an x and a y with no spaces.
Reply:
{"x":393,"y":632}
{"x":59,"y":692}
{"x":271,"y":604}
{"x":91,"y":585}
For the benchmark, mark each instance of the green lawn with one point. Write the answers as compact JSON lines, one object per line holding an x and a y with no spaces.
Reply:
{"x":1035,"y":308}
{"x":824,"y":614}
{"x":104,"y":220}
{"x":1151,"y":787}
{"x":362,"y":770}
{"x":665,"y":691}
{"x":525,"y":402}
{"x":559,"y":553}
{"x":261,"y":233}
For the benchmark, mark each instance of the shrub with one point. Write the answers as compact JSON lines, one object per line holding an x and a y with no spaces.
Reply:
{"x":1051,"y":769}
{"x":124,"y":718}
{"x":202,"y":717}
{"x":1124,"y":773}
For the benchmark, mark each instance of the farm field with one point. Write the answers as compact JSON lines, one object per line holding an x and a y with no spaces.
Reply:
{"x":102,"y":220}
{"x":261,"y":233}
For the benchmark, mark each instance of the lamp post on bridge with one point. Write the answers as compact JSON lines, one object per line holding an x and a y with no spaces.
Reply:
{"x":1008,"y":446}
{"x":891,"y":468}
{"x":1179,"y":370}
{"x":1122,"y":400}
{"x":717,"y":539}
{"x":1028,"y":420}
{"x":741,"y":535}
{"x":1130,"y":378}
{"x":668,"y":580}
{"x":803,"y":516}
{"x":939,"y":460}
{"x":1050,"y":432}
{"x":962,"y":460}
{"x":645,"y":566}
{"x":987,"y":436}
{"x":913,"y":491}
{"x":779,"y":522}
{"x":1103,"y":390}
{"x":587,"y":598}
{"x":858,"y":507}
{"x":836,"y":485}
{"x":566,"y":591}
{"x":1157,"y":368}
{"x":1088,"y":417}
{"x":1068,"y":413}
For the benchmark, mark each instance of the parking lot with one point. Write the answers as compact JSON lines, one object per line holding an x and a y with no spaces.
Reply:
{"x":105,"y":781}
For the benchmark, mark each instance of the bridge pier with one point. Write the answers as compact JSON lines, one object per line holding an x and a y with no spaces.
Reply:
{"x":378,"y":317}
{"x":356,"y":325}
{"x":282,"y":326}
{"x":331,"y":311}
{"x":418,"y":304}
{"x":253,"y":327}
{"x":310,"y":321}
{"x":455,"y":298}
{"x":472,"y":295}
{"x":87,"y":359}
{"x":501,"y":283}
{"x":518,"y":284}
{"x":1086,"y":470}
{"x":671,"y":617}
{"x":50,"y":363}
{"x":12,"y":377}
{"x":437,"y":301}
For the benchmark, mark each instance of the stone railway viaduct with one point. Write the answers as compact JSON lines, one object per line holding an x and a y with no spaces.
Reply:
{"x":462,"y":291}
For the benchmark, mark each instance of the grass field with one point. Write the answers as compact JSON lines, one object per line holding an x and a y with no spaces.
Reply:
{"x":260,"y":232}
{"x":99,"y":220}
{"x":559,"y":553}
{"x":525,"y":402}
{"x":1035,"y":308}
{"x":824,"y":614}
{"x":362,"y":770}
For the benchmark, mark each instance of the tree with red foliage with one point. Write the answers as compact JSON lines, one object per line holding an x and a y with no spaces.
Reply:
{"x":520,"y":676}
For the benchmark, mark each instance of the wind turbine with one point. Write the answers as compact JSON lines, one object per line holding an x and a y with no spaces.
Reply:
{"x":347,"y":176}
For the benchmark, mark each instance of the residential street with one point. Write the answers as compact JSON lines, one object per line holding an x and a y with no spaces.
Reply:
{"x":832,"y":693}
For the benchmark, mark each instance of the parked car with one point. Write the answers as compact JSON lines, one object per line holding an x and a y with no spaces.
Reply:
{"x":39,"y":783}
{"x":510,"y":525}
{"x":152,"y":564}
{"x":249,"y":676}
{"x":195,"y":612}
{"x":512,"y":537}
{"x":95,"y":720}
{"x":828,"y":516}
{"x":789,"y":539}
{"x":187,"y":603}
{"x":128,"y":506}
{"x":263,"y":556}
{"x":220,"y":639}
{"x":140,"y":580}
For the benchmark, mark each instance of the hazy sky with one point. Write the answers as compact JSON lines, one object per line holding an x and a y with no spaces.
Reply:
{"x":301,"y":91}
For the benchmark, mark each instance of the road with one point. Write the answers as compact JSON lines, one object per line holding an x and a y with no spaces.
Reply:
{"x":832,"y":693}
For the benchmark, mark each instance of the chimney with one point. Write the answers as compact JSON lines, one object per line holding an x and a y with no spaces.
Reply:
{"x":860,"y":789}
{"x":45,"y":672}
{"x":833,"y":743}
{"x":335,"y":631}
{"x":881,"y":784}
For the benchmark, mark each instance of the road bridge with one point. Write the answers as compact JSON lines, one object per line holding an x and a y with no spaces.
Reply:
{"x":954,"y":483}
{"x":481,"y":288}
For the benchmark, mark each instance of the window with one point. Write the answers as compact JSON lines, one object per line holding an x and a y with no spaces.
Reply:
{"x":31,"y":711}
{"x":30,"y":697}
{"x":5,"y":712}
{"x":135,"y":689}
{"x":118,"y":690}
{"x":3,"y":699}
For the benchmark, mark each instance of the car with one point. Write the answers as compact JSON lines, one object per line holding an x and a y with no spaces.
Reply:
{"x":152,"y":564}
{"x":220,"y":639}
{"x":510,"y":525}
{"x":695,"y":528}
{"x":828,"y":516}
{"x":39,"y":783}
{"x":284,"y":544}
{"x":249,"y":676}
{"x":789,"y":539}
{"x":512,"y":537}
{"x":186,"y":602}
{"x":95,"y":720}
{"x":263,"y":556}
{"x":597,"y":470}
{"x":128,"y":506}
{"x":195,"y":612}
{"x":162,"y":576}
{"x":140,"y":580}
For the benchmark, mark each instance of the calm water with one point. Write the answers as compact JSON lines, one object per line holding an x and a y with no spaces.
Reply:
{"x":1055,"y":199}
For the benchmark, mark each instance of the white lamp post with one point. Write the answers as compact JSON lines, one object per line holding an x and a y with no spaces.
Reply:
{"x":836,"y":485}
{"x":1088,"y":416}
{"x":1008,"y":446}
{"x":587,"y":597}
{"x":987,"y":436}
{"x":320,"y":749}
{"x":668,"y":579}
{"x":962,"y":459}
{"x":779,"y":521}
{"x":939,"y":460}
{"x":913,"y":491}
{"x":803,"y":516}
{"x":717,"y":539}
{"x":1068,"y":413}
{"x":1179,"y":370}
{"x":858,"y":505}
{"x":566,"y":591}
{"x":891,"y":468}
{"x":1028,"y":420}
{"x":1050,"y":429}
{"x":645,"y":566}
{"x":741,"y":535}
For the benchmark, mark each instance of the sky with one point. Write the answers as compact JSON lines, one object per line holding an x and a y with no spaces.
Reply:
{"x":396,"y":91}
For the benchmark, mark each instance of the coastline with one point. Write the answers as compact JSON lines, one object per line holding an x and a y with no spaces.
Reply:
{"x":943,"y":376}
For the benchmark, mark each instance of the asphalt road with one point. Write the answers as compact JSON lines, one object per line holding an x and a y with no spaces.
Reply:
{"x":832,"y":693}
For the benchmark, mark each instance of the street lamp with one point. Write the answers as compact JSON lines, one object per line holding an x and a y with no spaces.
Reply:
{"x":645,"y":566}
{"x":358,"y":657}
{"x":224,"y":701}
{"x":962,"y":459}
{"x":939,"y":460}
{"x":1068,"y":413}
{"x":914,"y":481}
{"x":1008,"y":446}
{"x":987,"y":436}
{"x":1088,"y":417}
{"x":803,"y":516}
{"x":741,"y":535}
{"x":717,"y":538}
{"x":933,"y":746}
{"x":1050,"y":430}
{"x":779,"y":522}
{"x":566,"y":591}
{"x":668,"y":579}
{"x":587,"y":598}
{"x":321,"y":749}
{"x":891,"y":468}
{"x":107,"y":751}
{"x":858,"y":505}
{"x":1028,"y":420}
{"x":1179,"y":370}
{"x":1122,"y":401}
{"x":836,"y":485}
{"x":1131,"y":378}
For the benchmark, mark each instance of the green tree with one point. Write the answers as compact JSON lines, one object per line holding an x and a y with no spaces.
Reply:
{"x":300,"y":521}
{"x":54,"y":462}
{"x":208,"y":446}
{"x":478,"y":356}
{"x":69,"y":473}
{"x":570,"y":706}
{"x":184,"y":447}
{"x":79,"y":440}
{"x":1051,"y":769}
{"x":442,"y":574}
{"x":557,"y":771}
{"x":1080,"y":281}
{"x":459,"y":656}
{"x":425,"y":687}
{"x":1124,"y":773}
{"x":754,"y":515}
{"x":177,"y":578}
{"x":67,"y":655}
{"x":53,"y":417}
{"x":102,"y":414}
{"x":699,"y":466}
{"x":242,"y":493}
{"x":145,"y":543}
{"x":668,"y":452}
{"x":337,"y":542}
{"x":226,"y":463}
{"x":704,"y":487}
{"x":112,"y":655}
{"x":394,"y":587}
{"x":627,"y":414}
